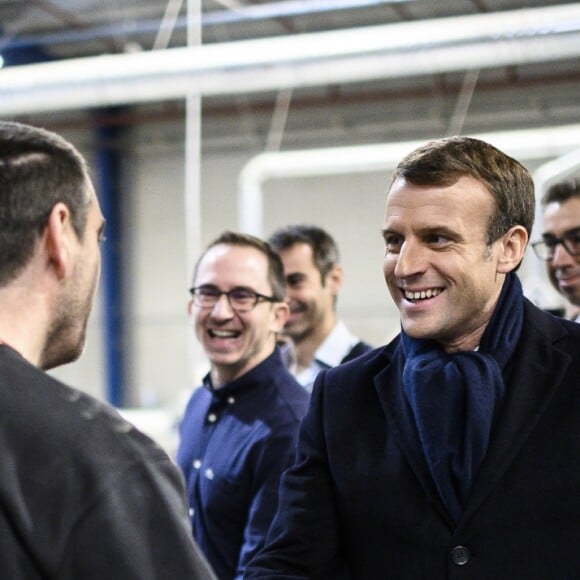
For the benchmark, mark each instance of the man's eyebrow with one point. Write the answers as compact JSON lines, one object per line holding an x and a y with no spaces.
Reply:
{"x":437,"y":228}
{"x":549,"y":235}
{"x":426,"y":230}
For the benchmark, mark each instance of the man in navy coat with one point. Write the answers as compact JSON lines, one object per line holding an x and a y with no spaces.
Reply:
{"x":454,"y":451}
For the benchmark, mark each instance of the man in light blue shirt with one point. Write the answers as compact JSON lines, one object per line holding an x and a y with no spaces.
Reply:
{"x":313,"y":279}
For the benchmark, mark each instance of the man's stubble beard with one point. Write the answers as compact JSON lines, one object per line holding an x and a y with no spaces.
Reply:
{"x":66,"y":336}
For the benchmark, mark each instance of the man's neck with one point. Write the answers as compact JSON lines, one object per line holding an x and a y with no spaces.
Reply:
{"x":222,"y":374}
{"x":306,"y":348}
{"x":572,"y":312}
{"x":22,"y":324}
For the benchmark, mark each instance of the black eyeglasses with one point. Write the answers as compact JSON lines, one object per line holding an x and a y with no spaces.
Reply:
{"x":240,"y":299}
{"x":546,"y":248}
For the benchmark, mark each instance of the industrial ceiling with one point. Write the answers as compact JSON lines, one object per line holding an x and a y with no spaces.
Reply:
{"x":416,"y":96}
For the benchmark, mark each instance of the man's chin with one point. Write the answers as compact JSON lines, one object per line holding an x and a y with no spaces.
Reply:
{"x":292,"y":327}
{"x":571,"y":293}
{"x":61,"y":359}
{"x":58,"y":353}
{"x":297,"y":332}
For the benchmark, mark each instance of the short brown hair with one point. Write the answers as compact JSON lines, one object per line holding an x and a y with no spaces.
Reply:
{"x":275,"y":266}
{"x":38,"y":169}
{"x":561,"y":191}
{"x":324,"y":249}
{"x":445,"y":161}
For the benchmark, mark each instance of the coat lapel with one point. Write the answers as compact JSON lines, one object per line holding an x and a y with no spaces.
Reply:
{"x":538,"y":371}
{"x":400,"y":422}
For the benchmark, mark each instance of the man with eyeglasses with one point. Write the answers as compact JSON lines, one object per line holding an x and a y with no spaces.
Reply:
{"x":560,"y":244}
{"x":240,"y":427}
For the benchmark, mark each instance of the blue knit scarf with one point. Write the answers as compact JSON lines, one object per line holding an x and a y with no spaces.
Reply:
{"x":453,"y":397}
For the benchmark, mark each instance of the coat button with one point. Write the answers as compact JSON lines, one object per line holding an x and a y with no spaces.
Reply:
{"x":460,"y":555}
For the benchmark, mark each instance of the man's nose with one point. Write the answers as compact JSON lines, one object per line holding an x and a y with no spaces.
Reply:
{"x":410,"y":260}
{"x":561,"y":256}
{"x":222,"y":308}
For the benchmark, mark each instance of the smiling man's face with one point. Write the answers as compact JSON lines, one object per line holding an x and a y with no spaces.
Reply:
{"x":236,"y":342}
{"x":439,"y":270}
{"x":559,"y":219}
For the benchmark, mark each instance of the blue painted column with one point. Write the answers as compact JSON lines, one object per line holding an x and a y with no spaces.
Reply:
{"x":107,"y":164}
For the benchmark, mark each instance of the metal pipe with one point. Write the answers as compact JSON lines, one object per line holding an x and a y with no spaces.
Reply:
{"x":108,"y":163}
{"x":125,"y":30}
{"x":192,"y":193}
{"x":354,"y":55}
{"x":524,"y":144}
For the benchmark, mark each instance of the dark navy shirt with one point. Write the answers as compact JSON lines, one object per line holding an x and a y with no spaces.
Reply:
{"x":235,"y":442}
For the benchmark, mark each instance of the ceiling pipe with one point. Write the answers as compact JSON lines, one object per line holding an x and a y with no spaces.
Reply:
{"x":387,"y":51}
{"x":525,"y":144}
{"x":131,"y":29}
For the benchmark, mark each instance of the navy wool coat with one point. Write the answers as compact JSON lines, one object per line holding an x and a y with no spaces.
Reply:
{"x":359,"y":503}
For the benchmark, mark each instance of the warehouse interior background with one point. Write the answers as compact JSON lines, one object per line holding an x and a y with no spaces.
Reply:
{"x":198,"y":116}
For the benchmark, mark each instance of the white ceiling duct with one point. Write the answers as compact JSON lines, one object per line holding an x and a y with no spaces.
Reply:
{"x":525,"y":144}
{"x":358,"y":54}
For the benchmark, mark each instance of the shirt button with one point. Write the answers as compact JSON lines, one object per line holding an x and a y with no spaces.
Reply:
{"x":460,"y":555}
{"x":212,"y":417}
{"x":231,"y":400}
{"x":191,"y":512}
{"x":197,"y":464}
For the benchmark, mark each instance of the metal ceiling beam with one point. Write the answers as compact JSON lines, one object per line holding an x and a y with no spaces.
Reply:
{"x":377,"y":52}
{"x":132,"y":29}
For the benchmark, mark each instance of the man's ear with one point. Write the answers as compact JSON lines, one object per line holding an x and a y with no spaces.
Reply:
{"x":281,"y":312}
{"x":334,"y":279}
{"x":58,"y":237}
{"x":513,"y":247}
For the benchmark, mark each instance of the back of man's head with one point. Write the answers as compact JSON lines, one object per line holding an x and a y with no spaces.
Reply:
{"x":38,"y":169}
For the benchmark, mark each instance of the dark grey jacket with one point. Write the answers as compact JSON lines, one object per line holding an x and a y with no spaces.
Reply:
{"x":84,"y":495}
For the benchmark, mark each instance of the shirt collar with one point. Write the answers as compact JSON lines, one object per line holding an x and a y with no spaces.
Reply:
{"x":256,"y":377}
{"x":335,"y":346}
